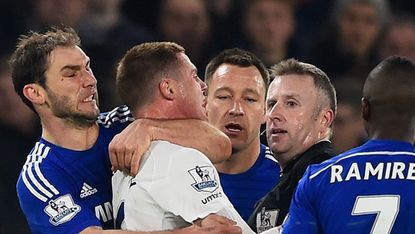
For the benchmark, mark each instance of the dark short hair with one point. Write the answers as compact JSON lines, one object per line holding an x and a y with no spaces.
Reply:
{"x":142,"y":67}
{"x":321,"y":80}
{"x":240,"y":58}
{"x":30,"y":60}
{"x":390,"y":88}
{"x":246,"y":4}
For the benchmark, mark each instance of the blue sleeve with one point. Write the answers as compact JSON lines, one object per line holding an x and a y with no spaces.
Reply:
{"x":302,"y":215}
{"x":51,"y":201}
{"x":116,"y":120}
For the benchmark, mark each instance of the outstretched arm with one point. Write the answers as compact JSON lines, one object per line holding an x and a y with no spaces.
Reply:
{"x":213,"y":224}
{"x":127,"y":147}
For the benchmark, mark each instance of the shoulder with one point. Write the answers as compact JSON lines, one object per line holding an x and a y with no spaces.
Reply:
{"x":170,"y":160}
{"x":118,"y":116}
{"x":178,"y":152}
{"x":323,"y":169}
{"x":268,"y":155}
{"x":38,"y":173}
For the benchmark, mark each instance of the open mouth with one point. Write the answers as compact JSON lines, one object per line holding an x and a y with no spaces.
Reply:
{"x":278,"y":131}
{"x":234,"y":127}
{"x":90,"y":98}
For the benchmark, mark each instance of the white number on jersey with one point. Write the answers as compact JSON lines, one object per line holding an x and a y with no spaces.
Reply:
{"x":385,"y":206}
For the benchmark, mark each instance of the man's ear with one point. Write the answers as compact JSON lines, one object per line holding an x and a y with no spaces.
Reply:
{"x":365,"y":109}
{"x":327,"y":118}
{"x":35,"y":93}
{"x":167,"y":88}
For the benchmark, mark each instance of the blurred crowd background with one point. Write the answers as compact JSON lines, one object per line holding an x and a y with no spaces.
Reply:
{"x":345,"y":38}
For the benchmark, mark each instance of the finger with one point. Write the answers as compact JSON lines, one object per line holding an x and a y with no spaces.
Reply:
{"x":127,"y":160}
{"x":235,"y":230}
{"x":113,"y":158}
{"x":221,"y":229}
{"x":135,"y":163}
{"x":120,"y":158}
{"x":221,"y":219}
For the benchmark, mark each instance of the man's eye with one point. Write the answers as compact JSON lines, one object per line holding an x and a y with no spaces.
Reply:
{"x":291,"y":103}
{"x":251,"y":99}
{"x":222,"y":97}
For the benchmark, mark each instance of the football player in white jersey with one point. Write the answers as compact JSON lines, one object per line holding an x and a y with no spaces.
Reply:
{"x":176,"y":186}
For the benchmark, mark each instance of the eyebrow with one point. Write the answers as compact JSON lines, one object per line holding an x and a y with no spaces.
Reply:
{"x":71,"y":67}
{"x":194,"y":70}
{"x":295,"y":96}
{"x":74,"y":67}
{"x":245,"y":91}
{"x":287,"y":96}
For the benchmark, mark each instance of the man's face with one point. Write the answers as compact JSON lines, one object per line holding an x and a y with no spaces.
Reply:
{"x":236,"y":103}
{"x":359,"y":27}
{"x":185,"y":22}
{"x":292,"y":122}
{"x":400,"y":40}
{"x":191,"y":98}
{"x":348,"y":128}
{"x":269,"y":23}
{"x":71,"y":86}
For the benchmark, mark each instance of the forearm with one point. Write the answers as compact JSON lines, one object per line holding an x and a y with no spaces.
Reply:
{"x":194,"y":229}
{"x":98,"y":230}
{"x":195,"y":134}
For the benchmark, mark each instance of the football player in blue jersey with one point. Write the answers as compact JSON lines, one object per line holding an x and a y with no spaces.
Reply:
{"x":237,"y":84}
{"x":368,"y":189}
{"x":301,"y":105}
{"x":65,"y":184}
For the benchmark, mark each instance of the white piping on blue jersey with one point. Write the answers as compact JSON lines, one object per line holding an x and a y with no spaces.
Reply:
{"x":269,"y":155}
{"x":120,"y":114}
{"x":33,"y":161}
{"x":379,"y":153}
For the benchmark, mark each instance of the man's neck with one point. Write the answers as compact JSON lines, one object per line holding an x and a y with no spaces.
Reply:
{"x":62,"y":133}
{"x":242,"y":160}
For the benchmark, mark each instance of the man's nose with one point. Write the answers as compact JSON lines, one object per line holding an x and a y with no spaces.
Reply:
{"x":237,"y":108}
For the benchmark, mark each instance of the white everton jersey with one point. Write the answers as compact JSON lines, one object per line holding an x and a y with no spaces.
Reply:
{"x":174,"y":187}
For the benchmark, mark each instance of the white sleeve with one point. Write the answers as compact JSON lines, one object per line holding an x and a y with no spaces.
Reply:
{"x":191,"y":188}
{"x":275,"y":230}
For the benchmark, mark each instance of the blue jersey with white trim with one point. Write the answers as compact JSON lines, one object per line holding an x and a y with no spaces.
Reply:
{"x":369,"y":189}
{"x":245,"y":189}
{"x":65,"y":191}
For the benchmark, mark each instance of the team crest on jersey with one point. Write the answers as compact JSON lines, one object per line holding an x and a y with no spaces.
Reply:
{"x":204,"y":177}
{"x":266,"y":219}
{"x":61,"y":210}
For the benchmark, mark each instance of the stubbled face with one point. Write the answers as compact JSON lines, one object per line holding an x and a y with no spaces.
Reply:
{"x":292,"y":124}
{"x":359,"y":27}
{"x":236,"y":103}
{"x":348,"y":128}
{"x":71,"y":86}
{"x":269,"y":24}
{"x":400,"y":40}
{"x":192,"y":88}
{"x":185,"y":22}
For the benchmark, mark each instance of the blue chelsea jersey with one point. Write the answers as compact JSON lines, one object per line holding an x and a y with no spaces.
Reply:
{"x":65,"y":191}
{"x":369,"y":189}
{"x":245,"y":189}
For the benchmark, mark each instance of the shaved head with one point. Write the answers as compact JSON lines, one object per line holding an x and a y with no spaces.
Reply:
{"x":389,"y":97}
